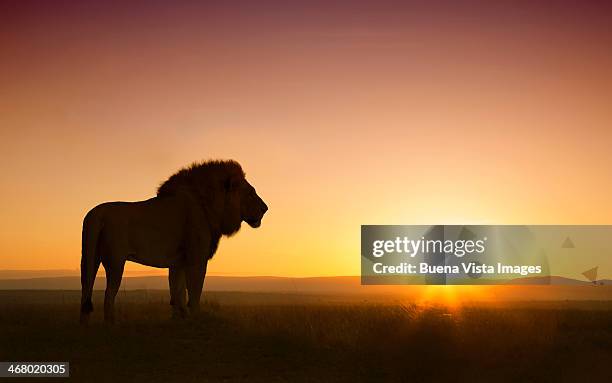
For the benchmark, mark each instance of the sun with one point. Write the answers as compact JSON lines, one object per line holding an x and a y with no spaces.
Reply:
{"x":440,"y":295}
{"x":452,"y":297}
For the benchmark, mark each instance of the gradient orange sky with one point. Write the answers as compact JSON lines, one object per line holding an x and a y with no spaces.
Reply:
{"x":341,"y":113}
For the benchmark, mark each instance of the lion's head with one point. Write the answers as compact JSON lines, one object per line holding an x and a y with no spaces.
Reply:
{"x":225,"y":195}
{"x":242,"y":204}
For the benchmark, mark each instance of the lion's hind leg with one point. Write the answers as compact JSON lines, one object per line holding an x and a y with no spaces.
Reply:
{"x":114,"y":273}
{"x":86,"y":303}
{"x":178,"y":289}
{"x":90,"y":261}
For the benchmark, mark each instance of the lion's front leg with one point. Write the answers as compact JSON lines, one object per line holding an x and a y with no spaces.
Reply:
{"x":194,"y":276}
{"x":178,"y":285}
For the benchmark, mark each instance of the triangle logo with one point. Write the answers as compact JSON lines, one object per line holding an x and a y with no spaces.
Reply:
{"x":591,"y":274}
{"x":568,"y":244}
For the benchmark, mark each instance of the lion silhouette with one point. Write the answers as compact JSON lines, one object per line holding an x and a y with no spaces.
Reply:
{"x":179,"y":229}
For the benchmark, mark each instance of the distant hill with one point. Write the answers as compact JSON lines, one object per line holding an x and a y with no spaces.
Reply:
{"x":215,"y":283}
{"x":554,"y":280}
{"x":564,"y":288}
{"x":53,"y":273}
{"x":26,"y":274}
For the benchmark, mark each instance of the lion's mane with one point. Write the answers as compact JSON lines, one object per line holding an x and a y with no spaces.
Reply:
{"x":200,"y":175}
{"x":206,"y":182}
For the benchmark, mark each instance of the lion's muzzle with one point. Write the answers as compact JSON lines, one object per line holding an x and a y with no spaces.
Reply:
{"x":255,"y":222}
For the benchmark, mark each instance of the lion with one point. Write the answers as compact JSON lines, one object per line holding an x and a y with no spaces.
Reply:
{"x":179,"y":229}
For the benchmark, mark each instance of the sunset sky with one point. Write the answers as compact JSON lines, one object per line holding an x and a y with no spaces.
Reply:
{"x":341,"y":113}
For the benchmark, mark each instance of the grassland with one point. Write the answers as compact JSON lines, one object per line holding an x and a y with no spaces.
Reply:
{"x":281,"y":337}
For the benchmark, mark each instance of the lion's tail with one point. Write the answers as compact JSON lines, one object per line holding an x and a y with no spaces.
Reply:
{"x":90,"y":260}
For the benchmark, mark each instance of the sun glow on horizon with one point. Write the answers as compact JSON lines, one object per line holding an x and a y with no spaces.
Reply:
{"x":453,"y":297}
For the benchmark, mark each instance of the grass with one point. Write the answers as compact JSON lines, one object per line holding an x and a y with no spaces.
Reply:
{"x":279,"y":337}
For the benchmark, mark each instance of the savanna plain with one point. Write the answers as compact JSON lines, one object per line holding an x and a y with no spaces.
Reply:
{"x":275,"y":337}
